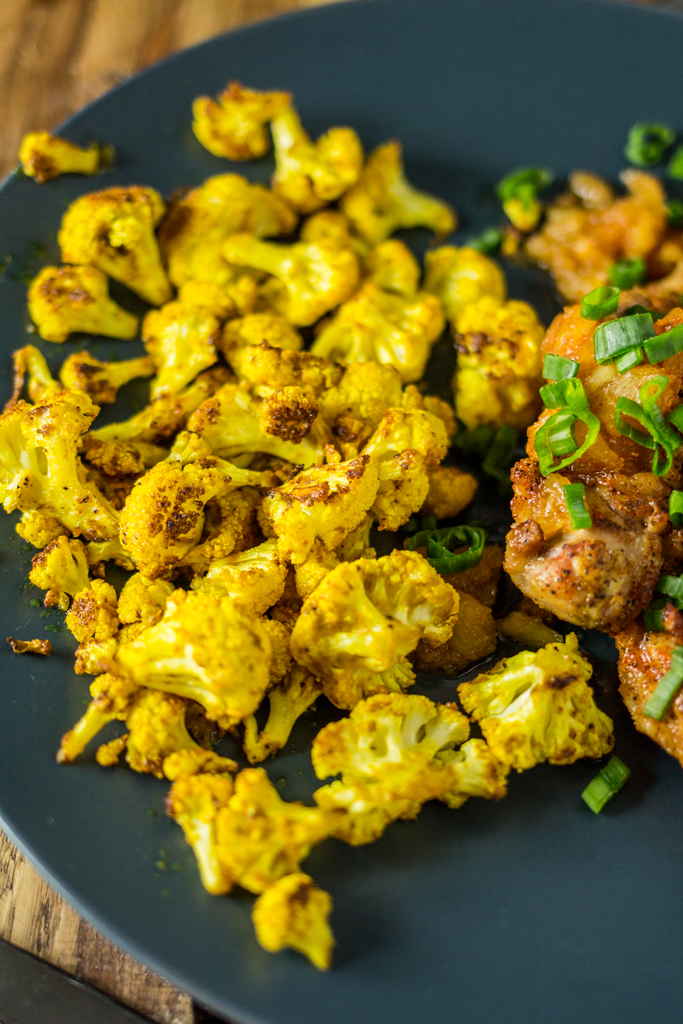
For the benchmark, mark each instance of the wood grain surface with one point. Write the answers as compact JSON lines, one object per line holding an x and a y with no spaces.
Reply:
{"x":56,"y":56}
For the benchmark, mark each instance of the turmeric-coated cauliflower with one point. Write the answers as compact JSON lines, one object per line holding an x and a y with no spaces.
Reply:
{"x":256,"y":329}
{"x":354,"y":407}
{"x":293,"y":913}
{"x":383,"y":327}
{"x":62,"y":569}
{"x":231,"y":525}
{"x":195,"y":761}
{"x":194,"y":802}
{"x":268,"y":368}
{"x":233,"y":125}
{"x":44,"y":156}
{"x":236,"y":297}
{"x":38,"y":529}
{"x":101,"y":381}
{"x":461,"y":276}
{"x":93,"y":613}
{"x":112,"y":697}
{"x":384,"y":200}
{"x":30,"y":368}
{"x":113,"y":230}
{"x":311,"y":174}
{"x":357,"y":628}
{"x":325,"y":502}
{"x":537,"y":706}
{"x":393,"y":268}
{"x":335,"y":227}
{"x":474,"y":637}
{"x":143,"y":600}
{"x":288,"y":700}
{"x":450,"y":491}
{"x":255,"y":578}
{"x":314,"y":276}
{"x":66,"y":299}
{"x":182,"y":342}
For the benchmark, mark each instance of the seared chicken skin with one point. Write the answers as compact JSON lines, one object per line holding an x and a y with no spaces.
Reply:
{"x":643,"y":659}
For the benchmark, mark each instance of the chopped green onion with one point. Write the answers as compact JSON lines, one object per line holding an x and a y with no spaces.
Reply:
{"x":663,"y":346}
{"x":674,"y":213}
{"x":672,"y":586}
{"x":567,"y":396}
{"x":633,"y":357}
{"x":667,"y":688}
{"x":658,"y":432}
{"x":676,"y":508}
{"x":675,"y":165}
{"x":574,"y":496}
{"x":652,"y":616}
{"x":561,"y":437}
{"x":497,"y":461}
{"x":626,"y":273}
{"x":556,"y":394}
{"x":647,"y":143}
{"x":559,"y":368}
{"x":641,"y":309}
{"x":440,"y":544}
{"x":616,"y":337}
{"x":523,"y":184}
{"x":605,"y":784}
{"x":428,"y":522}
{"x":676,"y":418}
{"x":487,"y":242}
{"x":600,"y":302}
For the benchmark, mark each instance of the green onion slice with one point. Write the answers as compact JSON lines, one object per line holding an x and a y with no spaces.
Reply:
{"x":524,"y":184}
{"x":565,"y":396}
{"x":667,"y":688}
{"x":497,"y":461}
{"x":633,"y":357}
{"x":488,"y":241}
{"x":652,"y":616}
{"x":658,"y":434}
{"x":575,"y":497}
{"x":647,"y":143}
{"x":641,"y":309}
{"x":559,"y":368}
{"x":674,"y":213}
{"x":613,"y":339}
{"x":675,"y":165}
{"x":676,"y":508}
{"x":440,"y":544}
{"x":663,"y":346}
{"x":672,"y":586}
{"x":676,"y":418}
{"x":561,"y":437}
{"x":605,"y":784}
{"x":626,"y":273}
{"x":600,"y":302}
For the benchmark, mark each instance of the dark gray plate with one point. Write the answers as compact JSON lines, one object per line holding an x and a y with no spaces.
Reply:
{"x":532,"y":910}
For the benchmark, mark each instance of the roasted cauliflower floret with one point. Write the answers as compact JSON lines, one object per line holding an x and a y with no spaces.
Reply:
{"x":450,"y":491}
{"x":112,"y":698}
{"x":101,"y":381}
{"x":143,"y":600}
{"x":325,"y":503}
{"x":182,"y":342}
{"x":39,"y":530}
{"x":62,"y":569}
{"x":260,"y":837}
{"x":93,"y":613}
{"x":474,"y":637}
{"x":231,"y":525}
{"x":288,"y":700}
{"x":66,"y":299}
{"x":288,"y":413}
{"x":393,"y":268}
{"x":384,"y":200}
{"x":357,"y":628}
{"x":498,"y":373}
{"x":44,"y":156}
{"x":461,"y":276}
{"x":269,"y":368}
{"x":293,"y":913}
{"x":113,"y":230}
{"x":257,"y":329}
{"x":194,"y":802}
{"x":196,"y":761}
{"x":43,"y":647}
{"x":196,"y":227}
{"x":537,"y":706}
{"x":237,"y":297}
{"x":206,"y":649}
{"x":383,"y":327}
{"x":335,"y":227}
{"x":315,"y":276}
{"x":30,"y":368}
{"x":40,"y":470}
{"x":234,"y":124}
{"x":254,"y":578}
{"x":354,"y":407}
{"x":311,"y":174}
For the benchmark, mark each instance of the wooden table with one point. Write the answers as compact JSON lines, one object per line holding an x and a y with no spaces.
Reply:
{"x":56,"y":56}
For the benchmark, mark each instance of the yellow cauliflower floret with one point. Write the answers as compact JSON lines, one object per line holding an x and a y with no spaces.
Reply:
{"x":268,"y":368}
{"x":393,"y":268}
{"x":234,"y":124}
{"x":384,"y":200}
{"x":197,"y":226}
{"x":182,"y":343}
{"x":315,"y":276}
{"x":38,"y":529}
{"x":461,"y":276}
{"x":194,"y":802}
{"x":40,"y":384}
{"x":194,"y":762}
{"x":113,"y":230}
{"x":335,"y":227}
{"x":474,"y":637}
{"x":231,"y":525}
{"x":40,"y":470}
{"x":255,"y":577}
{"x":206,"y":649}
{"x":230,"y":423}
{"x":364,"y":810}
{"x":288,"y":700}
{"x":383,"y":327}
{"x":254,"y":330}
{"x":143,"y":600}
{"x":260,"y":837}
{"x":66,"y":299}
{"x":311,"y":174}
{"x":93,"y":613}
{"x":112,"y":698}
{"x":44,"y":156}
{"x":326,"y":503}
{"x":289,"y":413}
{"x":450,"y":491}
{"x":101,"y":381}
{"x":293,"y":913}
{"x":354,"y":407}
{"x":498,"y":372}
{"x":537,"y":706}
{"x":62,"y":569}
{"x":232,"y":298}
{"x":356,"y":630}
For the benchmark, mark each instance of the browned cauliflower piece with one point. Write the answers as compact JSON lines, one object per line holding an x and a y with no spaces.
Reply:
{"x":101,"y":381}
{"x":254,"y":330}
{"x":393,"y":268}
{"x":335,"y":227}
{"x":113,"y":230}
{"x":66,"y":299}
{"x":474,"y":637}
{"x":312,"y":174}
{"x":194,"y":802}
{"x":315,"y":276}
{"x":234,"y":124}
{"x":255,"y":577}
{"x":384,"y":200}
{"x":233,"y":298}
{"x":38,"y":529}
{"x":194,"y":762}
{"x":31,"y":369}
{"x":450,"y":491}
{"x":44,"y":156}
{"x":294,"y":913}
{"x":143,"y":600}
{"x":93,"y":613}
{"x":357,"y":628}
{"x":461,"y":276}
{"x":43,"y":647}
{"x":288,"y":700}
{"x":182,"y":342}
{"x":231,"y":525}
{"x":61,"y":569}
{"x":196,"y":227}
{"x":112,"y":697}
{"x":269,"y":368}
{"x":354,"y":407}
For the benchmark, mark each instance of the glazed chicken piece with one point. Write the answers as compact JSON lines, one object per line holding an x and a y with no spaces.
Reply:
{"x":643,"y":659}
